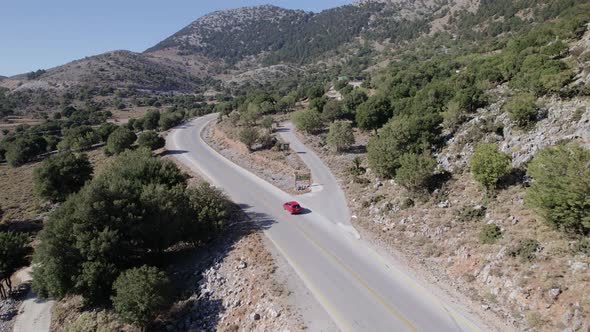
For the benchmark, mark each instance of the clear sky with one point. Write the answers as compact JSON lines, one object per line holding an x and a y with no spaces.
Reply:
{"x":40,"y":34}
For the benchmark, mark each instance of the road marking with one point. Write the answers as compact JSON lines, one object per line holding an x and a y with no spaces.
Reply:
{"x":433,"y":299}
{"x":380,"y":299}
{"x":320,"y":297}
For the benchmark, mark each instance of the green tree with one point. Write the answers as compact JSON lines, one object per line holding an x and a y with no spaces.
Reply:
{"x":140,"y":293}
{"x":151,"y":140}
{"x":488,"y":165}
{"x":120,"y":140}
{"x":561,"y":187}
{"x":61,"y":175}
{"x":267,"y":123}
{"x":249,"y":136}
{"x":374,"y":113}
{"x":79,"y":138}
{"x":151,"y":120}
{"x":340,"y":135}
{"x":352,"y":101}
{"x":522,"y":109}
{"x":309,"y":121}
{"x":105,"y":130}
{"x":333,"y":111}
{"x":402,"y":134}
{"x":13,"y":249}
{"x":415,"y":170}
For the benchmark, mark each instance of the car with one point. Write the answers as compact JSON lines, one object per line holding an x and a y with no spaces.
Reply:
{"x":293,"y":207}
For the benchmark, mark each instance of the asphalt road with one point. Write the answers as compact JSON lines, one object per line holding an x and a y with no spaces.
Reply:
{"x":360,"y":290}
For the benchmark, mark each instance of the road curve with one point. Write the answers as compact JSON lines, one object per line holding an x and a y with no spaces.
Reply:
{"x":356,"y":287}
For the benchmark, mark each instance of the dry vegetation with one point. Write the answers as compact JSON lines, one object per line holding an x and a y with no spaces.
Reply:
{"x":276,"y":167}
{"x":541,"y":288}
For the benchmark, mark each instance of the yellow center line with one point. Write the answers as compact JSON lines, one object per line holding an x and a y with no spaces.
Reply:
{"x":371,"y":291}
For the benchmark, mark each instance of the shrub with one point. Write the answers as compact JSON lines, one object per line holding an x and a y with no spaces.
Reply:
{"x":105,"y":130}
{"x":489,"y":234}
{"x":169,"y":120}
{"x":267,"y":123}
{"x":119,"y":141}
{"x":62,"y":175}
{"x":309,"y":121}
{"x":471,"y":213}
{"x":356,"y":169}
{"x":249,"y":136}
{"x":415,"y":170}
{"x":374,"y":113}
{"x":352,"y":100}
{"x":140,"y":293}
{"x":522,"y":109}
{"x":560,"y":187}
{"x":151,"y":120}
{"x":340,"y":135}
{"x":488,"y":165}
{"x":267,"y":141}
{"x":24,"y":149}
{"x":79,"y":138}
{"x":94,"y":321}
{"x":526,"y":249}
{"x":402,"y":134}
{"x":13,"y":248}
{"x":333,"y":111}
{"x":151,"y":140}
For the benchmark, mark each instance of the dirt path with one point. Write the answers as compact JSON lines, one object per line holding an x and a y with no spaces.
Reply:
{"x":34,"y":314}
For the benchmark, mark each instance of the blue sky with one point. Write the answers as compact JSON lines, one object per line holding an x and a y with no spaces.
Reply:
{"x":38,"y":34}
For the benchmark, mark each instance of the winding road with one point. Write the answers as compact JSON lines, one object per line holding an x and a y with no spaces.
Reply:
{"x":360,"y":290}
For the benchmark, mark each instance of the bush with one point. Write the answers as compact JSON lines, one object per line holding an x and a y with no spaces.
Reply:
{"x":267,"y":123}
{"x":119,"y":141}
{"x":79,"y":138}
{"x":402,"y":134}
{"x":151,"y":140}
{"x":62,"y":175}
{"x":352,"y":100}
{"x":13,"y":249}
{"x":560,"y":189}
{"x":151,"y":120}
{"x":249,"y":136}
{"x":24,"y":149}
{"x":95,"y":321}
{"x":415,"y":170}
{"x":522,"y":109}
{"x":525,"y":249}
{"x":340,"y":135}
{"x":309,"y":121}
{"x":169,"y":120}
{"x":489,"y":234}
{"x":140,"y":293}
{"x":333,"y":111}
{"x":105,"y":130}
{"x":488,"y":165}
{"x":267,"y":141}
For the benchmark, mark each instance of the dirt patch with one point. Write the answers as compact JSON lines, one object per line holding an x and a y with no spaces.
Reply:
{"x":17,"y":197}
{"x":276,"y":167}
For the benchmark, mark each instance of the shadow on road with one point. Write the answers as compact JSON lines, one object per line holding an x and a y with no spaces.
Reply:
{"x":281,"y":130}
{"x":173,"y":152}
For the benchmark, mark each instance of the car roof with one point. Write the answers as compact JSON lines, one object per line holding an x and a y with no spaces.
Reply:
{"x":293,"y":203}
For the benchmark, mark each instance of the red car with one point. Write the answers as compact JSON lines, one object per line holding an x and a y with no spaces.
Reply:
{"x":293,"y":207}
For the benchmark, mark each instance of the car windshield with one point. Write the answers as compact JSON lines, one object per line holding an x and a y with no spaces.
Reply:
{"x":296,"y":206}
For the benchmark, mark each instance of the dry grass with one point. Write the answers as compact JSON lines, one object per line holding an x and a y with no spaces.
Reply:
{"x":17,"y":196}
